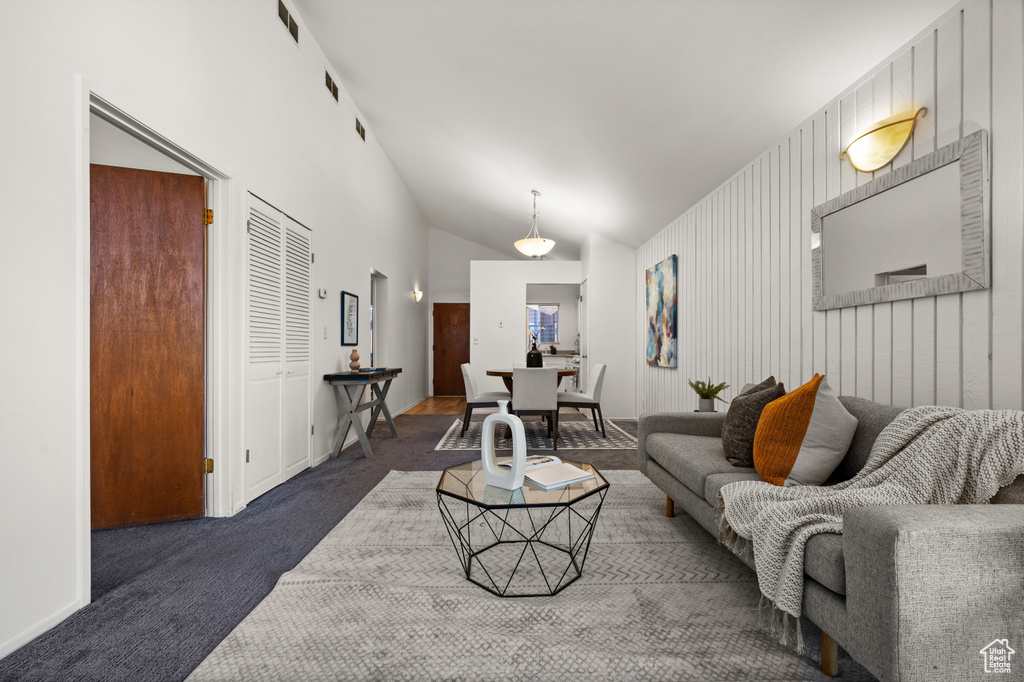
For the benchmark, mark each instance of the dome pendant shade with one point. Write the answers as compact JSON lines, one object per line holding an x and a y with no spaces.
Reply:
{"x":533,"y":244}
{"x":877,"y":148}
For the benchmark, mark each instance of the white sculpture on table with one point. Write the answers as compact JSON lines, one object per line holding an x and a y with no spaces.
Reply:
{"x":500,"y":477}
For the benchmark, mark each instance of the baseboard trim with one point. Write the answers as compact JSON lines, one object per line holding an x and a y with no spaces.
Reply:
{"x":12,"y":645}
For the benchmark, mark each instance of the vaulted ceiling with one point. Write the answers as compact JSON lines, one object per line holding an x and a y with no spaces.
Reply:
{"x":622,"y":113}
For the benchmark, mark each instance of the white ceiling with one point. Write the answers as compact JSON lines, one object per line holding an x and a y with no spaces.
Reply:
{"x":622,"y":113}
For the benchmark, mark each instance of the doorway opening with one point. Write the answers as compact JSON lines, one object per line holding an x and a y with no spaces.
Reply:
{"x":378,"y":318}
{"x":114,"y":140}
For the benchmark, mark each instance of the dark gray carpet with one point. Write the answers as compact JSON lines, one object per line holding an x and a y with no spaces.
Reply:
{"x":166,"y":594}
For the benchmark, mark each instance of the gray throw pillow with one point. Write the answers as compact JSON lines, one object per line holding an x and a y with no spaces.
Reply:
{"x":741,"y":421}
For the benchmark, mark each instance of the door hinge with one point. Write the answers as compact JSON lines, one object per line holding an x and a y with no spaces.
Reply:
{"x":208,"y":216}
{"x":312,"y":258}
{"x":207,"y":466}
{"x":246,"y":456}
{"x":312,"y":429}
{"x":248,"y":226}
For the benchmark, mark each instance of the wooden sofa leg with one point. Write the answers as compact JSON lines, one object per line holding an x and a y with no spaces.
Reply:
{"x":670,"y":507}
{"x":829,"y":655}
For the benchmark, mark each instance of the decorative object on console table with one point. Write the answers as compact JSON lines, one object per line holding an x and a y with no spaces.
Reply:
{"x":534,"y":358}
{"x":707,"y":393}
{"x":354,"y":357}
{"x":661,"y":313}
{"x":349,"y":319}
{"x":511,"y":478}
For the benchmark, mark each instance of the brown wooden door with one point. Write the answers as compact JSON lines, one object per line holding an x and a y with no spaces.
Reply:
{"x":146,"y":346}
{"x":451,"y":347}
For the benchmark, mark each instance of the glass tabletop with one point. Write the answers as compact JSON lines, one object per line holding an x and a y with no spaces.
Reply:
{"x":466,"y":482}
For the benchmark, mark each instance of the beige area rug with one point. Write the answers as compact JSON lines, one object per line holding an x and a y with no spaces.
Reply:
{"x":382,"y":597}
{"x":573,"y":435}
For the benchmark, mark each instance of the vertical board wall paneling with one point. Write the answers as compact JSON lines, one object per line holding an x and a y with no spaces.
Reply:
{"x":923,"y":392}
{"x":976,"y":378}
{"x":783,"y":266}
{"x":864,"y":335}
{"x":794,"y":224}
{"x":745,"y":285}
{"x":1007,"y":179}
{"x":949,"y":128}
{"x":901,"y":315}
{"x":774,"y":264}
{"x":817,"y":195}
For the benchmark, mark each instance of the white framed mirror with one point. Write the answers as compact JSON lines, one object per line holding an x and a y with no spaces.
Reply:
{"x":920,"y":230}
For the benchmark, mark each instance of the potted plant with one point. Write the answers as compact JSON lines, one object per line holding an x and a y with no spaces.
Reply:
{"x":707,"y":393}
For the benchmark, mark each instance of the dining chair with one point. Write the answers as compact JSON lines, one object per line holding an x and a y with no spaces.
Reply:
{"x":590,"y":400}
{"x":536,"y":393}
{"x":474,"y":399}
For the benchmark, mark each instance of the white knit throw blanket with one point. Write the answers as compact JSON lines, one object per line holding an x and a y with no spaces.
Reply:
{"x":926,"y":455}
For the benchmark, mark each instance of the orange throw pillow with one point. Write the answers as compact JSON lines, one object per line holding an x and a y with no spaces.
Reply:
{"x":802,"y":437}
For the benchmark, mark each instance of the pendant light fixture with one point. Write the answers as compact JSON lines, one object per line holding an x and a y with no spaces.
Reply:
{"x":533,"y":244}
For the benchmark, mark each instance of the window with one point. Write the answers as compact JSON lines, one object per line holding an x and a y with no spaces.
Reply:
{"x":542,"y":322}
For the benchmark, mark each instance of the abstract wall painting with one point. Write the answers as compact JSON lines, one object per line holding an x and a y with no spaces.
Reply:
{"x":661,"y":313}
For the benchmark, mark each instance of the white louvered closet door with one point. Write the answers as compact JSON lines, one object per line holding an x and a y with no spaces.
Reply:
{"x":297,"y":321}
{"x":278,"y":380}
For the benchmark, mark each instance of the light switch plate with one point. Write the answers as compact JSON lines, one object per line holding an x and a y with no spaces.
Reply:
{"x":322,"y":293}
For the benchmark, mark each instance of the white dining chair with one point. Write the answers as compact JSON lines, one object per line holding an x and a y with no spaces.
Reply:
{"x":474,"y":399}
{"x":590,"y":400}
{"x":536,"y":392}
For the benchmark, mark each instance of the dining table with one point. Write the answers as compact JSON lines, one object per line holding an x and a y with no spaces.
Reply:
{"x":506,"y":375}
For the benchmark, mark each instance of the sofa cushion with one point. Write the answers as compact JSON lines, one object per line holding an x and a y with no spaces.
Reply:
{"x":714,"y":482}
{"x":1010,"y":494}
{"x":824,"y":561}
{"x":802,"y":437}
{"x":741,"y":421}
{"x":871,"y":417}
{"x":691,"y":459}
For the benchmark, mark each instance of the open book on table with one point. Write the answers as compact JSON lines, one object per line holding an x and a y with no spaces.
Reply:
{"x":548,"y":472}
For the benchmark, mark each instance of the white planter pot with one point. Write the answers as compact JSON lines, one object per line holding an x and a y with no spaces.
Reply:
{"x":705,"y":404}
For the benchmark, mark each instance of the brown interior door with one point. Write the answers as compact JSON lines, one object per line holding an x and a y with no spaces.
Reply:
{"x":146,"y":346}
{"x":451,"y":347}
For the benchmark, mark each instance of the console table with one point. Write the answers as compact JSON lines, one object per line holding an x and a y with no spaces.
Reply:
{"x":348,"y":391}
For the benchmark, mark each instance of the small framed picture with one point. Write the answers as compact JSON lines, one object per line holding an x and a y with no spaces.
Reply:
{"x":349,"y":319}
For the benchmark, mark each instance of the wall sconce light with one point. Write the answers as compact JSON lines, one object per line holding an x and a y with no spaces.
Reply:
{"x":876,"y":148}
{"x":417,"y":295}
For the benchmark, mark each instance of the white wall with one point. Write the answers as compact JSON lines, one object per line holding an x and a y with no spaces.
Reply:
{"x":498,"y":311}
{"x":745,"y":261}
{"x":567,"y":297}
{"x":611,"y":274}
{"x":224,"y":81}
{"x":449,"y":265}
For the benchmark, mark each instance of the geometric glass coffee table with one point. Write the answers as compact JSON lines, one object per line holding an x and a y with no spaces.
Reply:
{"x":527,"y":542}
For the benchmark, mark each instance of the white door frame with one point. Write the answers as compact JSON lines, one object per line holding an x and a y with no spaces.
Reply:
{"x":224,"y":371}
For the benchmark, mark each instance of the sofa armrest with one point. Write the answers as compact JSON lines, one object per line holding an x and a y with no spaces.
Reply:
{"x":928,"y":586}
{"x":688,"y":423}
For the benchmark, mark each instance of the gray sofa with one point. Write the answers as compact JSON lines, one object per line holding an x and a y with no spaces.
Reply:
{"x":910,"y":592}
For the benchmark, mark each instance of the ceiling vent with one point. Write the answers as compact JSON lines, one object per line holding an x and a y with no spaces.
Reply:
{"x":332,"y":87}
{"x":361,"y":130}
{"x":288,"y":20}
